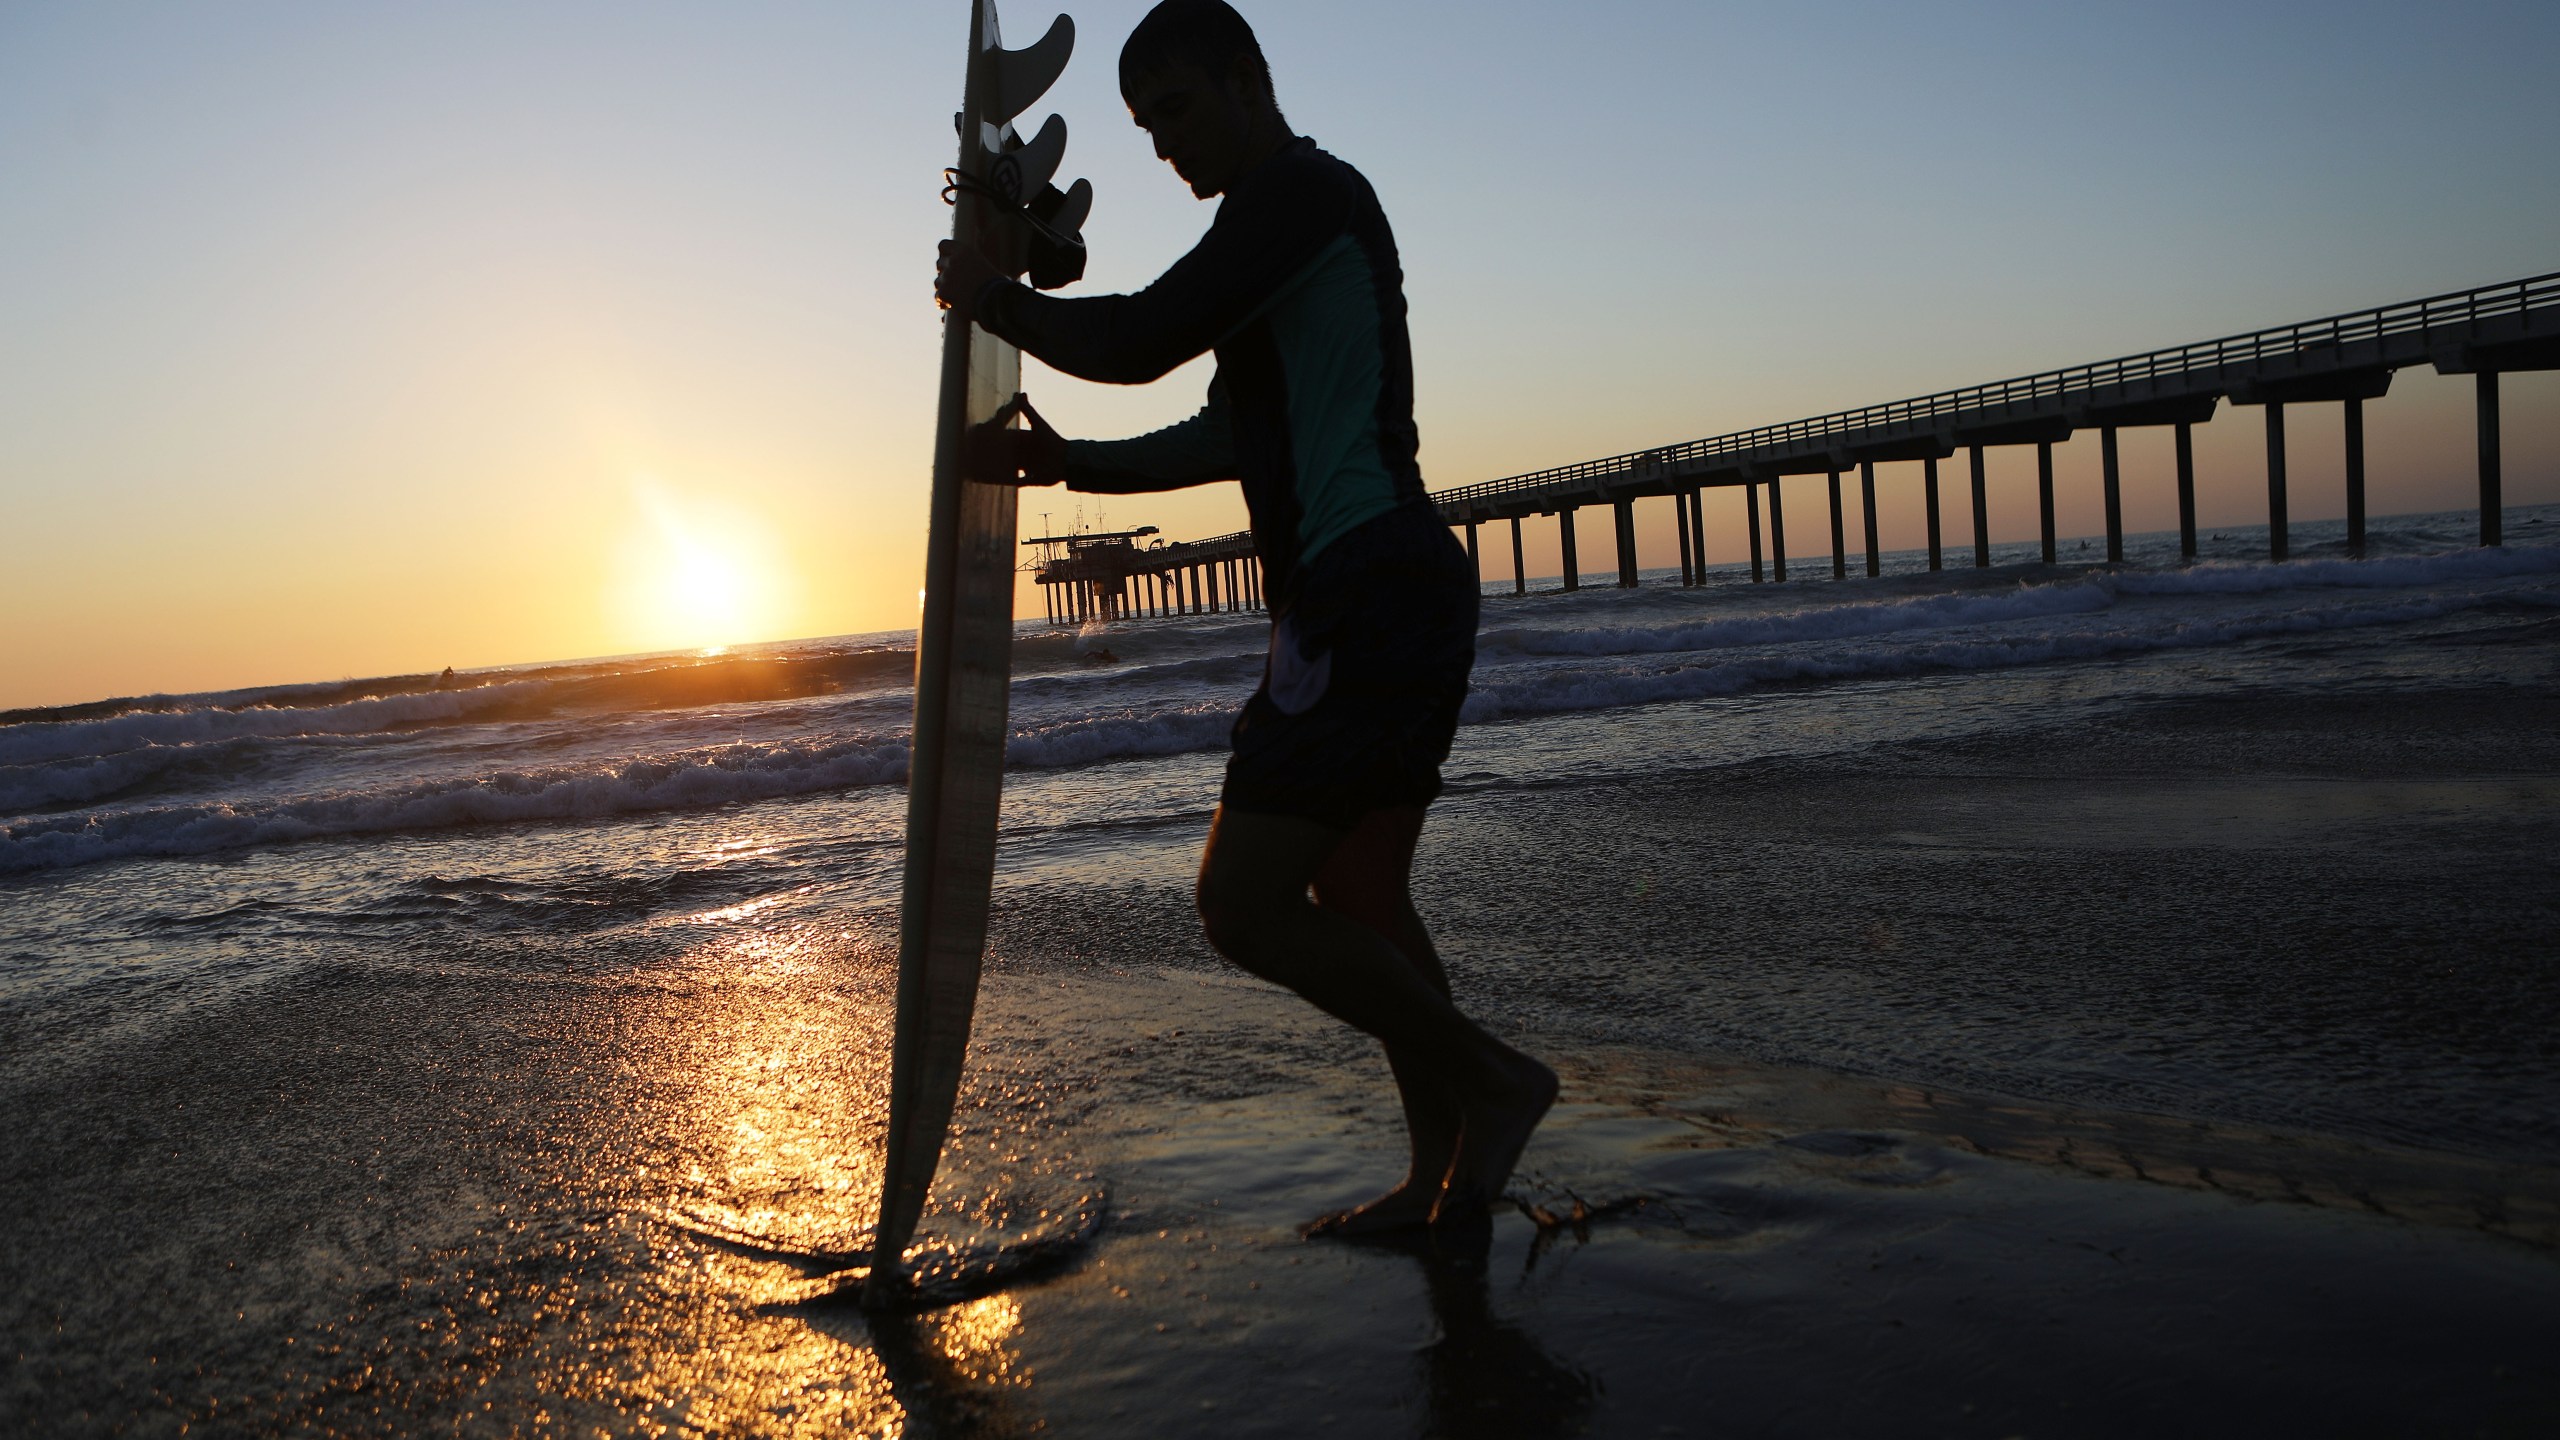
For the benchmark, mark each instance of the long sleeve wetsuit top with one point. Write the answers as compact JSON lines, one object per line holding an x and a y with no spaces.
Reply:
{"x":1297,"y":288}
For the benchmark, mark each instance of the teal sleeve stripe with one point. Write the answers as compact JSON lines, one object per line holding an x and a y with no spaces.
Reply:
{"x":1327,"y":334}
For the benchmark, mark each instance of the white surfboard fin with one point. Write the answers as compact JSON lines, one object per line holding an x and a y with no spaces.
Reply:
{"x":1018,"y":174}
{"x":1022,"y":76}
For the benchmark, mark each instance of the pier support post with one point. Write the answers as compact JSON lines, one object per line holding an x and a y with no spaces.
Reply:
{"x":1867,"y":503}
{"x":1839,"y":546}
{"x":2355,"y":475}
{"x":1626,"y":518}
{"x":1751,"y":513}
{"x":1519,"y":565}
{"x":2044,"y":495}
{"x":1777,"y":530}
{"x":1475,"y":560}
{"x":2278,"y":544}
{"x":1572,"y":562}
{"x":2493,"y":520}
{"x":1929,"y":487}
{"x":1698,"y":530}
{"x":2186,"y":491}
{"x":1981,"y":515}
{"x":1680,"y":523}
{"x":2115,"y":495}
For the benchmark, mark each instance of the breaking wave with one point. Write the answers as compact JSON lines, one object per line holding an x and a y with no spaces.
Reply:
{"x":235,"y":776}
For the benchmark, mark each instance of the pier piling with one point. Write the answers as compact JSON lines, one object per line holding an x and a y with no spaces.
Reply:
{"x":2186,"y":490}
{"x":1680,"y":523}
{"x":1839,"y":546}
{"x":1981,"y":515}
{"x":1929,"y":491}
{"x":2492,"y":498}
{"x":2044,"y":495}
{"x":2278,"y":543}
{"x":1626,"y":518}
{"x":1751,"y":517}
{"x":2114,"y":494}
{"x":2354,"y":422}
{"x":1698,"y":532}
{"x":1867,"y":504}
{"x":1777,"y":530}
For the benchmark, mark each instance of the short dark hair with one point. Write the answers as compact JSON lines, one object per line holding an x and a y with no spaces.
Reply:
{"x":1206,"y":33}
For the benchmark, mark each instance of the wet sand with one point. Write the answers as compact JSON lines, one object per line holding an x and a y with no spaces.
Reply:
{"x":466,"y":1192}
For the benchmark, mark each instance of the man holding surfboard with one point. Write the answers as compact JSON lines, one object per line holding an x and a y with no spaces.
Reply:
{"x":1297,"y":288}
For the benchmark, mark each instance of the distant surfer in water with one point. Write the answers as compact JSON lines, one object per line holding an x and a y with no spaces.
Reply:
{"x":1297,"y":288}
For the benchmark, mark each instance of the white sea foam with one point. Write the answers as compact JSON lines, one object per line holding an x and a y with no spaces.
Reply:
{"x":251,"y":757}
{"x":683,"y":781}
{"x":1555,"y":688}
{"x":36,"y":742}
{"x":2396,"y":572}
{"x":1827,"y":622}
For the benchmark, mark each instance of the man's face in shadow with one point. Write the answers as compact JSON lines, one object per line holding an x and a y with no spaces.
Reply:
{"x":1202,"y":123}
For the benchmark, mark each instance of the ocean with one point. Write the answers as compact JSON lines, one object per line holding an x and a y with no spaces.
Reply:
{"x":1982,"y":948}
{"x":157,"y":850}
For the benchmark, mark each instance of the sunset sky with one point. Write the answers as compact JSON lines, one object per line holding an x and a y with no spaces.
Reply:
{"x":357,"y":339}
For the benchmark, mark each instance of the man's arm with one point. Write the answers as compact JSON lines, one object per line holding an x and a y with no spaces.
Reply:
{"x":1263,"y":240}
{"x":1193,"y":452}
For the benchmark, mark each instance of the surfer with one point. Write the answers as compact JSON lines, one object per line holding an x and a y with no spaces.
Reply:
{"x":1306,"y":877}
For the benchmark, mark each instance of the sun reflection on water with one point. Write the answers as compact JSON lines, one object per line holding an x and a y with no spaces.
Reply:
{"x":774,"y":1096}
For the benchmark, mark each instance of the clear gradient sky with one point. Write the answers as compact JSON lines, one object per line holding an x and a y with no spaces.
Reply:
{"x":357,"y":339}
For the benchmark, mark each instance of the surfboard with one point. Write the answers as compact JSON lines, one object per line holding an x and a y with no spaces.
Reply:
{"x":964,"y":637}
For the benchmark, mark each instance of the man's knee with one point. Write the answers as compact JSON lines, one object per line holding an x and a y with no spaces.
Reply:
{"x":1228,"y":914}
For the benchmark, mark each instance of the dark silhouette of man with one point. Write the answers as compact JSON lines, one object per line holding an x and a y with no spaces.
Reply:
{"x":1297,"y":287}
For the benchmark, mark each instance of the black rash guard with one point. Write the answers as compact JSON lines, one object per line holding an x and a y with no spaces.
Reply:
{"x":1297,"y":288}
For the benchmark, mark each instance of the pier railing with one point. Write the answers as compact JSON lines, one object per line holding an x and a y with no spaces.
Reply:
{"x":2463,"y":308}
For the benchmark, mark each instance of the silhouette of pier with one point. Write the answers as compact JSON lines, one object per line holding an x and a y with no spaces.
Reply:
{"x":2344,"y":360}
{"x":1110,"y":576}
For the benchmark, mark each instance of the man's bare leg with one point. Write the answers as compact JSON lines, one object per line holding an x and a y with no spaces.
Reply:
{"x":1367,"y":879}
{"x":1254,"y":880}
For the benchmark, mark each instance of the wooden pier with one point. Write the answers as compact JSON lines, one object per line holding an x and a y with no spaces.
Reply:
{"x":1112,"y":576}
{"x":2343,"y":360}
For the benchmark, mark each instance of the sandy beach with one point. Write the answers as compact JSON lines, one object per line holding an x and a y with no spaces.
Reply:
{"x":484,"y":1191}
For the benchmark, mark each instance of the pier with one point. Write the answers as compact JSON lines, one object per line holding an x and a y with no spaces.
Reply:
{"x":2342,"y":360}
{"x":1110,"y":576}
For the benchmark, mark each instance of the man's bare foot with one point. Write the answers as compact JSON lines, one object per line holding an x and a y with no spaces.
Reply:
{"x":1497,"y":1129}
{"x":1406,"y":1207}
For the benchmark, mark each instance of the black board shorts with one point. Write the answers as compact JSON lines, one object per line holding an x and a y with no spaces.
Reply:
{"x":1367,"y":669}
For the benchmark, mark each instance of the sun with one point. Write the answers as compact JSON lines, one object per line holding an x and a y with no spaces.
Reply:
{"x":707,"y":591}
{"x":696,"y":575}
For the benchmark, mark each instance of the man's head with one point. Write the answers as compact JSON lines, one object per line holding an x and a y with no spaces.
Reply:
{"x":1196,"y":82}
